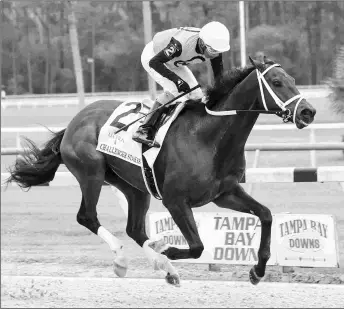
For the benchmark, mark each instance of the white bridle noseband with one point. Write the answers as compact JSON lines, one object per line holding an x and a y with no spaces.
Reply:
{"x":277,"y":100}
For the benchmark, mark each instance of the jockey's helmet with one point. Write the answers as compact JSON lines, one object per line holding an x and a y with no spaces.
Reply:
{"x":215,"y":36}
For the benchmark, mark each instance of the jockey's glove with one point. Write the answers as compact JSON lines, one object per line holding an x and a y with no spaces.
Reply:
{"x":182,"y":85}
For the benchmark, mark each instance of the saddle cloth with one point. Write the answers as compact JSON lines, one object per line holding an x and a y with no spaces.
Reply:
{"x":121,"y":144}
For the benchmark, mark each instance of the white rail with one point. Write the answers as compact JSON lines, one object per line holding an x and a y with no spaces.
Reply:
{"x":71,"y":99}
{"x":273,"y":127}
{"x":248,"y":147}
{"x":262,"y":127}
{"x":252,"y":175}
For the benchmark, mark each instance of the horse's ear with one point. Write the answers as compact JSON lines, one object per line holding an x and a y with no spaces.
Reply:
{"x":268,"y":60}
{"x":255,"y":63}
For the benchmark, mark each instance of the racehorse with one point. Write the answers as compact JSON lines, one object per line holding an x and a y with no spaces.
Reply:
{"x":201,"y":160}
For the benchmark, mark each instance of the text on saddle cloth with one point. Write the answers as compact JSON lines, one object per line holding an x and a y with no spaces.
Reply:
{"x":120,"y":144}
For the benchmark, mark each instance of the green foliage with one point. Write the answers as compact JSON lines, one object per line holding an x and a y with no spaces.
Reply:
{"x":336,"y":84}
{"x":37,"y":53}
{"x":283,"y":44}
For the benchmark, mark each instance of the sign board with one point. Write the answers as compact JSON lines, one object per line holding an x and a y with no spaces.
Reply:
{"x":234,"y":238}
{"x":305,"y":240}
{"x":227,"y":238}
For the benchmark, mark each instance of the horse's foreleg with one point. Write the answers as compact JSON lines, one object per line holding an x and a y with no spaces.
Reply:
{"x":184,"y":219}
{"x":239,"y":200}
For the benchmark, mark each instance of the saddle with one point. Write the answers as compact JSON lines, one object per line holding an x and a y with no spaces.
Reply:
{"x":121,"y":145}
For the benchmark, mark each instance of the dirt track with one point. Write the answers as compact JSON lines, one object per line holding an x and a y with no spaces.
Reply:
{"x":131,"y":292}
{"x":41,"y":237}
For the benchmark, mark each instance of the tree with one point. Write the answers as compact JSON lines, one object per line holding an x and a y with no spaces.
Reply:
{"x":74,"y":41}
{"x":313,"y":24}
{"x":283,"y":44}
{"x":38,"y":56}
{"x":336,"y":84}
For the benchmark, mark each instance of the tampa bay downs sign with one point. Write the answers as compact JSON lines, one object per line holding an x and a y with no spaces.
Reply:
{"x":233,"y":238}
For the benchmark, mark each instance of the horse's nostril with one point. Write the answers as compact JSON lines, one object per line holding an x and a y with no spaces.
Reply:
{"x":307,"y":113}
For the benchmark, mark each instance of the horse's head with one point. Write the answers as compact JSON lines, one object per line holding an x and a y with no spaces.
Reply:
{"x":279,"y":93}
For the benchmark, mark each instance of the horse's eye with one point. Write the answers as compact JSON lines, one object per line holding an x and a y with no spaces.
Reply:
{"x":277,"y":83}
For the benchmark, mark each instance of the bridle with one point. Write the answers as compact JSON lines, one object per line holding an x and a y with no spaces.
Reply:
{"x":285,"y":113}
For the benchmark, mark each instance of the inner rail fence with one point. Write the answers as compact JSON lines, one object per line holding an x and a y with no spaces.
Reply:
{"x":249,"y":147}
{"x":252,"y":176}
{"x":312,"y":146}
{"x":71,"y":99}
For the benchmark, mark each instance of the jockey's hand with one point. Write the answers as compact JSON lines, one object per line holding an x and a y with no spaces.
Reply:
{"x":182,"y":86}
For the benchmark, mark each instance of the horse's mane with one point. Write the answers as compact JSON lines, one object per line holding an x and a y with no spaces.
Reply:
{"x":225,"y":84}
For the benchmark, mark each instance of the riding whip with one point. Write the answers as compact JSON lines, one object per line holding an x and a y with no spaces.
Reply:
{"x":163,"y":105}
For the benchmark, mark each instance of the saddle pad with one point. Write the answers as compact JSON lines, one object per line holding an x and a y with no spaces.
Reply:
{"x":121,"y":144}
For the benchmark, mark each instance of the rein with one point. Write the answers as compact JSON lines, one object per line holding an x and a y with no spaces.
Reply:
{"x":161,"y":106}
{"x":285,"y":113}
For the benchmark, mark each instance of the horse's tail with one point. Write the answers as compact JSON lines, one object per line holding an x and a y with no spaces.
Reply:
{"x":37,"y":166}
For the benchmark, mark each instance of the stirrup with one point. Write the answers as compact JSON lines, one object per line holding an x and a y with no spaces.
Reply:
{"x":150,"y":143}
{"x":146,"y":141}
{"x":154,"y":143}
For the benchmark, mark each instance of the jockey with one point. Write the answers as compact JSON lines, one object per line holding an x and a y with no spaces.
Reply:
{"x":166,"y":58}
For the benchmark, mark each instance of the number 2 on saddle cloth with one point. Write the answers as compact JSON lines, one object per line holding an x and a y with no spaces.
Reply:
{"x":117,"y":124}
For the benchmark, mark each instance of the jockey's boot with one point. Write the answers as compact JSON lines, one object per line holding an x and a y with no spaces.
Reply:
{"x":145,"y":133}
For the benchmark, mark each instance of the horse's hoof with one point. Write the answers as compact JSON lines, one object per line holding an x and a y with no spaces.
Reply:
{"x":173,"y":279}
{"x":120,"y":266}
{"x":254,"y":278}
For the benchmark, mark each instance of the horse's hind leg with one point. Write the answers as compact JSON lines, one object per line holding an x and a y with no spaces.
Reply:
{"x":88,"y":167}
{"x":138,"y":204}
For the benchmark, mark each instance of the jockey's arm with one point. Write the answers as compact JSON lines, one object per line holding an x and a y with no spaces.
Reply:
{"x":217,"y":65}
{"x":157,"y":63}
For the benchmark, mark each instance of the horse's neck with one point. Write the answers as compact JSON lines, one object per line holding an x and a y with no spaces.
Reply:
{"x":233,"y":131}
{"x":242,"y":97}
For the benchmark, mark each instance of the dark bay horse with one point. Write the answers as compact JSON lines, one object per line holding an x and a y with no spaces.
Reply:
{"x":202,"y":160}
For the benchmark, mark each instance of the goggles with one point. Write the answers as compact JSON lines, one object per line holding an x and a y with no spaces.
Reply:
{"x":211,"y":51}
